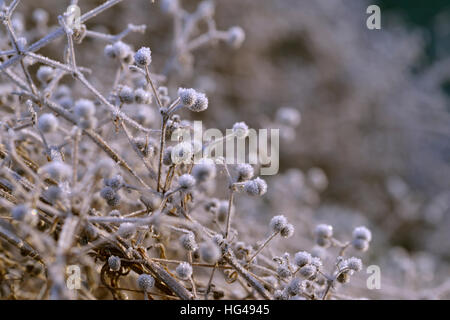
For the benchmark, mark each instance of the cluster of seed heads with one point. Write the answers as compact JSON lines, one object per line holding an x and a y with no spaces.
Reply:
{"x":91,"y":178}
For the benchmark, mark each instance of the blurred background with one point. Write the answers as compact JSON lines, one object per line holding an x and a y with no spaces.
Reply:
{"x":374,"y":105}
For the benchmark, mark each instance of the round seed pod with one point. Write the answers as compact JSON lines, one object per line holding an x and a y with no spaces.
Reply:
{"x":145,"y":282}
{"x":114,"y":263}
{"x":184,"y":271}
{"x":245,"y":172}
{"x":209,"y":252}
{"x":287,"y":231}
{"x":188,"y":242}
{"x":47,"y":123}
{"x":323,"y":231}
{"x":107,"y":193}
{"x":186,"y":182}
{"x":308,"y":271}
{"x":360,"y":244}
{"x":236,"y":37}
{"x":200,"y":104}
{"x":255,"y":187}
{"x":362,"y":233}
{"x":302,"y":258}
{"x":354,"y":264}
{"x":45,"y":74}
{"x":240,"y":129}
{"x":126,"y":95}
{"x":143,"y":57}
{"x":127,"y":230}
{"x":187,"y":96}
{"x":277,"y":223}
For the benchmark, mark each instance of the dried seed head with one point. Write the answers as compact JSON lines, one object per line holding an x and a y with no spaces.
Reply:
{"x":142,"y":96}
{"x":287,"y":231}
{"x":127,"y":230}
{"x":145,"y":282}
{"x":121,"y":50}
{"x":200,"y":104}
{"x":84,"y":108}
{"x":47,"y":123}
{"x":115,"y":182}
{"x":362,"y":233}
{"x":209,"y":252}
{"x":240,"y":129}
{"x":236,"y":37}
{"x":245,"y":172}
{"x":45,"y":74}
{"x":354,"y":264}
{"x":186,"y":182}
{"x":302,"y":258}
{"x":143,"y":57}
{"x":107,"y":193}
{"x":65,"y":102}
{"x":308,"y":271}
{"x":295,"y":287}
{"x":57,"y":170}
{"x":277,"y":223}
{"x":280,"y":295}
{"x":114,"y":263}
{"x":188,"y":242}
{"x":204,"y":170}
{"x":187,"y":96}
{"x":115,"y":201}
{"x":126,"y":95}
{"x":323,"y":231}
{"x":283,"y":271}
{"x":184,"y":271}
{"x":360,"y":244}
{"x":255,"y":187}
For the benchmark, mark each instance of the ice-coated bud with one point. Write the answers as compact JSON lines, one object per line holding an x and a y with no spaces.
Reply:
{"x":302,"y":258}
{"x":200,"y":104}
{"x":186,"y":181}
{"x":362,"y":233}
{"x":126,"y":95}
{"x":277,"y":223}
{"x":143,"y":57}
{"x":188,"y":242}
{"x":255,"y":187}
{"x":187,"y":96}
{"x":245,"y":172}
